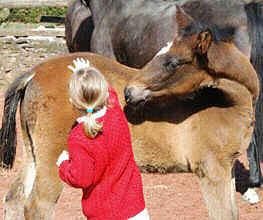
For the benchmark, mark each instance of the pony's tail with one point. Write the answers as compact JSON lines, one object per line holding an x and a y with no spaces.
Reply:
{"x":8,"y":139}
{"x":254,"y":12}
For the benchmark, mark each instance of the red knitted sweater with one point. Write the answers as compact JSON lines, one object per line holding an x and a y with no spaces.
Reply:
{"x":105,"y":168}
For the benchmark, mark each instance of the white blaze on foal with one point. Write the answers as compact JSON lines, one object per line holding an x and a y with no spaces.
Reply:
{"x":165,"y":49}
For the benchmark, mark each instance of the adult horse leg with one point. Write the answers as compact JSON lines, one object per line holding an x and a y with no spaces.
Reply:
{"x":255,"y":175}
{"x":218,"y":189}
{"x":254,"y":12}
{"x":78,"y":27}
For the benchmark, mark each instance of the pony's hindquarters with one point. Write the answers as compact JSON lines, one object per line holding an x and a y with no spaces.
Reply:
{"x":46,"y":119}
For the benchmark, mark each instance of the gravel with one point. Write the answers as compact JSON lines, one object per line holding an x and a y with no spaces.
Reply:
{"x":19,"y":54}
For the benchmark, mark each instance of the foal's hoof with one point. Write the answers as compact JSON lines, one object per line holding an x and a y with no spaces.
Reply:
{"x":251,"y":196}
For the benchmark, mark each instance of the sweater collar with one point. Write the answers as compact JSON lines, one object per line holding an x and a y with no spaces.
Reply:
{"x":96,"y":115}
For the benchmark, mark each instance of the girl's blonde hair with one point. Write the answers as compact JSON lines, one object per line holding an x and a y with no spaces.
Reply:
{"x":88,"y":89}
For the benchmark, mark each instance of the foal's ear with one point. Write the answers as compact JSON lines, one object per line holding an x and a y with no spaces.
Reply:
{"x":182,"y":19}
{"x":203,"y":42}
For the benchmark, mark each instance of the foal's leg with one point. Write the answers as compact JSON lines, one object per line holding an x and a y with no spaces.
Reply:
{"x":219,"y":192}
{"x":15,"y":199}
{"x":45,"y":194}
{"x":36,"y":190}
{"x":13,"y":202}
{"x":47,"y":186}
{"x":33,"y":195}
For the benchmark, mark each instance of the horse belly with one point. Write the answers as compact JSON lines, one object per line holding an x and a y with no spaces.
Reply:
{"x":158,"y":147}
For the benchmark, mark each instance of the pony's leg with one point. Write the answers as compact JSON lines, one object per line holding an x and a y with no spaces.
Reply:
{"x":13,"y":202}
{"x":45,"y":194}
{"x":46,"y":186}
{"x":37,"y":188}
{"x":218,"y":189}
{"x":33,"y":195}
{"x":15,"y":199}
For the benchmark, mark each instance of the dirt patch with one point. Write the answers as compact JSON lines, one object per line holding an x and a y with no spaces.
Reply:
{"x":168,"y":197}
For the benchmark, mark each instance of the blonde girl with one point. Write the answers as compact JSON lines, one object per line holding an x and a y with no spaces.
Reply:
{"x":100,"y":159}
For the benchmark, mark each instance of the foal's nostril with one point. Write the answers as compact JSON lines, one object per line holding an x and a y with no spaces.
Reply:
{"x":127,"y":94}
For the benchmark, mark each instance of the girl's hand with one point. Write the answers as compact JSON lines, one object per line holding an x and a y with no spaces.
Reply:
{"x":63,"y":156}
{"x":79,"y":63}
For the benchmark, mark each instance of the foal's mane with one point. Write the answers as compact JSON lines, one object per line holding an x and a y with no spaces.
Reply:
{"x":218,"y":33}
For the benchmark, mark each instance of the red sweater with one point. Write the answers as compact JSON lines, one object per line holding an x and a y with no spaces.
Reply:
{"x":105,"y":169}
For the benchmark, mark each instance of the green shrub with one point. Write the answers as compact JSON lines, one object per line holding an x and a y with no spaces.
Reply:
{"x":33,"y":15}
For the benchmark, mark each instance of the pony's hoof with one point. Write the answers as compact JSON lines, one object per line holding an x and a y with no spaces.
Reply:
{"x":251,"y":196}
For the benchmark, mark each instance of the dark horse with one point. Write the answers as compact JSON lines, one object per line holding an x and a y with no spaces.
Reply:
{"x":132,"y":32}
{"x":203,"y":122}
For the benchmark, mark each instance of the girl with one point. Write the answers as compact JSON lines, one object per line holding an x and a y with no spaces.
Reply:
{"x":100,"y":158}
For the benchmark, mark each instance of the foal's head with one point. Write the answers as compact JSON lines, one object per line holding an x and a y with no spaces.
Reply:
{"x":196,"y":59}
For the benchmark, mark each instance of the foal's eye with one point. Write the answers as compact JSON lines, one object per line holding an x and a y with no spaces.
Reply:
{"x":171,"y":64}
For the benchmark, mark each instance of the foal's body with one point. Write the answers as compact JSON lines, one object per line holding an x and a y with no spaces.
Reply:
{"x":132,"y":32}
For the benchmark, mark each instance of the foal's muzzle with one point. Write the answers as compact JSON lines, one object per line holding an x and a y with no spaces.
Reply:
{"x":128,"y":94}
{"x":135,"y":94}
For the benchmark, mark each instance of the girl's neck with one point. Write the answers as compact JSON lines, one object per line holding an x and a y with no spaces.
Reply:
{"x":96,"y":115}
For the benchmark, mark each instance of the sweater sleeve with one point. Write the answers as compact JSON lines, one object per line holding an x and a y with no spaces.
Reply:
{"x":78,"y":171}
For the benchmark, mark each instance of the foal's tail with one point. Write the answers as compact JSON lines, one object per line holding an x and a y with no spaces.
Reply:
{"x":254,"y":12}
{"x":8,"y":141}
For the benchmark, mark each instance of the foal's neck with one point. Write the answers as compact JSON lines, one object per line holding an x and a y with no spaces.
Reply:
{"x":238,"y":96}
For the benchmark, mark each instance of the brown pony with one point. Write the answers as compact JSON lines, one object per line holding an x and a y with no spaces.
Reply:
{"x":203,"y":123}
{"x":210,"y":89}
{"x":132,"y":32}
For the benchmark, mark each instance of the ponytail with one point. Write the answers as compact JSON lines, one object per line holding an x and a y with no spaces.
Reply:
{"x":91,"y":127}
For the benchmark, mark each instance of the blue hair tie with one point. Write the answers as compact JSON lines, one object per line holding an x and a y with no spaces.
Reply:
{"x":89,"y":110}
